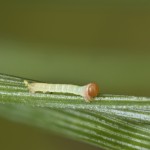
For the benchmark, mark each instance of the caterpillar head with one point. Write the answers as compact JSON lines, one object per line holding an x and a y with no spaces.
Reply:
{"x":91,"y":91}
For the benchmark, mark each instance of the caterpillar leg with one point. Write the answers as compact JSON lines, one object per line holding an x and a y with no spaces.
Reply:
{"x":26,"y":83}
{"x":29,"y":86}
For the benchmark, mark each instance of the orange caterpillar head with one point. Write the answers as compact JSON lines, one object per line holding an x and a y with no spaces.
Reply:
{"x":91,"y":91}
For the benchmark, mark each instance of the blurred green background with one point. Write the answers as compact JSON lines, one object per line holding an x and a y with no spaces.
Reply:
{"x":74,"y":42}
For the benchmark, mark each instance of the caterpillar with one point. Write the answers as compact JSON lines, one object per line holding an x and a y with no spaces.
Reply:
{"x":88,"y":92}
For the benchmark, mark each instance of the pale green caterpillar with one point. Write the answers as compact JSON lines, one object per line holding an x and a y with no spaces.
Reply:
{"x":88,"y":91}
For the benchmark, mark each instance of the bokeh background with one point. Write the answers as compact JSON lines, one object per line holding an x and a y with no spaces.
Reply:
{"x":74,"y":42}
